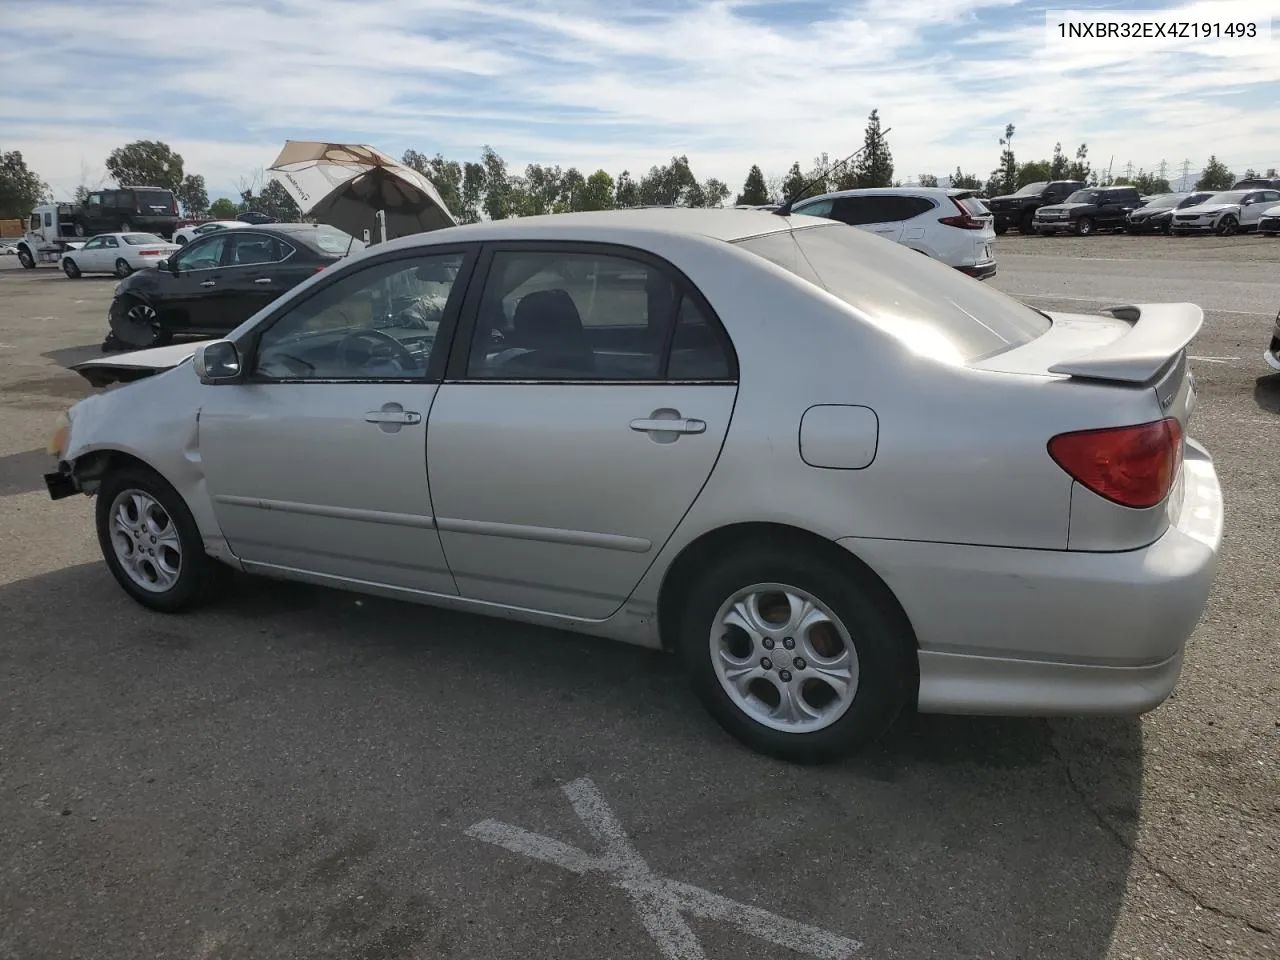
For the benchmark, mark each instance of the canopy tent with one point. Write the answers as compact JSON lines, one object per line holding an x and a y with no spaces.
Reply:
{"x":348,"y":185}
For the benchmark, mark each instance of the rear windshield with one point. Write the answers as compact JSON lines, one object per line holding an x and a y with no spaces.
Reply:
{"x":141,"y":239}
{"x":335,"y":241}
{"x":932,"y":308}
{"x":154,"y":201}
{"x":972,"y":205}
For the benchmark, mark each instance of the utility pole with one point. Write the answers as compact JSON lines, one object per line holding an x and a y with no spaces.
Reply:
{"x":1128,"y":171}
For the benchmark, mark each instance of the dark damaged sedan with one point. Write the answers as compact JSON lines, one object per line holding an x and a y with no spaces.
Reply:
{"x":218,"y":281}
{"x":1156,"y":215}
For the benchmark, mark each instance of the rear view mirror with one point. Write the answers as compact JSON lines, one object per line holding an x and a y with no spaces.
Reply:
{"x":217,"y":361}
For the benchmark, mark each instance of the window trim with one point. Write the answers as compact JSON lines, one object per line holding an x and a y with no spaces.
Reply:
{"x":464,"y":332}
{"x":234,"y":238}
{"x":249,"y":342}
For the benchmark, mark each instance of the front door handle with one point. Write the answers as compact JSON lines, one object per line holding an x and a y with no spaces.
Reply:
{"x":206,"y":283}
{"x":393,"y":416}
{"x":263,"y":280}
{"x":646,"y":425}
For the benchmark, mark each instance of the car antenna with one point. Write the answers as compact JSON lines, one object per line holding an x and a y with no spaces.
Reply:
{"x":785,"y":209}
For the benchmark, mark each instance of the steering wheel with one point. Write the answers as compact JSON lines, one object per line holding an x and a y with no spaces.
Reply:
{"x":379,"y":344}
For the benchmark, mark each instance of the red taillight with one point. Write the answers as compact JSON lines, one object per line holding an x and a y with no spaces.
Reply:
{"x":1132,"y":466}
{"x":149,"y":253}
{"x":964,"y":219}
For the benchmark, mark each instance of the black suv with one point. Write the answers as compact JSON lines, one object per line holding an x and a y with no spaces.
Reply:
{"x":1087,"y":210}
{"x":127,"y":210}
{"x":1018,"y":209}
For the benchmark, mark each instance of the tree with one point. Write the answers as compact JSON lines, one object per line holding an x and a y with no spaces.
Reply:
{"x":1034,"y":171}
{"x":928,"y":180}
{"x":1271,"y":172}
{"x":224,"y":209}
{"x":794,"y":183}
{"x":626,"y":192}
{"x":192,"y":195}
{"x":874,"y":165}
{"x":1249,"y":174}
{"x":474,"y":180}
{"x":672,"y":184}
{"x":273,"y":200}
{"x":754,"y":189}
{"x":1151,"y":183}
{"x":146,"y":163}
{"x":20,"y":187}
{"x":445,"y":176}
{"x":1215,"y":176}
{"x":597,"y":192}
{"x":709,"y":193}
{"x":1079,"y":170}
{"x":965,"y":181}
{"x":498,"y":195}
{"x":1005,"y":177}
{"x":1059,"y":166}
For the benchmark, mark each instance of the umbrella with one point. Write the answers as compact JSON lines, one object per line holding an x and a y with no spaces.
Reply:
{"x":347,"y":185}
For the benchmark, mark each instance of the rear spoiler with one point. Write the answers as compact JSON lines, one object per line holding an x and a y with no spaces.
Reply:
{"x":1159,"y":333}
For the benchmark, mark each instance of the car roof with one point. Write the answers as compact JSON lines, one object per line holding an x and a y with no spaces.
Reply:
{"x":906,"y":191}
{"x":603,"y":226}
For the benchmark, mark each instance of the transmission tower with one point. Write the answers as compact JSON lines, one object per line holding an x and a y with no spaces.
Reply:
{"x":1128,"y":171}
{"x":1164,"y":169}
{"x":1186,"y":172}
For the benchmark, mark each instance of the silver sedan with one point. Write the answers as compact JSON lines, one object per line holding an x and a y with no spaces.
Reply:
{"x":117,"y":253}
{"x":836,"y":478}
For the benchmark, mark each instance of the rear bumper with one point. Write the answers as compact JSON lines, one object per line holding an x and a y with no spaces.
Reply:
{"x":1056,"y":632}
{"x":980,"y":271}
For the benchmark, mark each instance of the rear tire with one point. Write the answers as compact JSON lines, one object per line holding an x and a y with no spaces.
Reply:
{"x":70,"y":269}
{"x":1027,"y":223}
{"x":151,"y":543}
{"x":775,"y":683}
{"x":1001,"y":229}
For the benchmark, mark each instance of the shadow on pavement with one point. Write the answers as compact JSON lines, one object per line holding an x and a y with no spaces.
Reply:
{"x":24,"y":472}
{"x":66,"y":356}
{"x":291,"y":772}
{"x":1266,"y":392}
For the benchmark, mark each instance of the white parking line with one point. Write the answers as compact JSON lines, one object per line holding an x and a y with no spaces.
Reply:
{"x":661,"y":904}
{"x":1213,"y":359}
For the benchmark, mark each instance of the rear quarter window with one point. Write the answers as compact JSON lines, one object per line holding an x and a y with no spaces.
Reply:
{"x":932,"y":308}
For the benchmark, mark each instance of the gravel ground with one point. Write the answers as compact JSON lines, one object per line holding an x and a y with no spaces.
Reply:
{"x":300,"y":773}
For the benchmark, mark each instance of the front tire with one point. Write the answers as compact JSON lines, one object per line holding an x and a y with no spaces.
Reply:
{"x":1001,"y":229}
{"x":70,"y":269}
{"x":1084,"y":226}
{"x":1228,"y":226}
{"x":797,"y":656}
{"x":151,"y":543}
{"x":1027,"y":224}
{"x":122,"y":268}
{"x":137,"y":324}
{"x":26,"y":259}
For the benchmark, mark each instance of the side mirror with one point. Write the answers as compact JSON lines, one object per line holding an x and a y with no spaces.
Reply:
{"x":217,"y":361}
{"x":162,"y":265}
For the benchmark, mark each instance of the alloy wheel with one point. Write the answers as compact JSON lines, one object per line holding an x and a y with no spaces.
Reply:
{"x":145,"y":541}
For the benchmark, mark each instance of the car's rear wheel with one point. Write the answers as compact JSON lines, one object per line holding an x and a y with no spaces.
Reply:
{"x":1001,"y":229}
{"x":70,"y":269}
{"x":795,"y":655}
{"x":137,"y":324}
{"x":1228,"y":226}
{"x":122,"y":268}
{"x":151,"y":542}
{"x":1084,"y":226}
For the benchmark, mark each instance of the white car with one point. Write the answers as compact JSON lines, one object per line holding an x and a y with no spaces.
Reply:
{"x":187,"y":234}
{"x":1269,"y":222}
{"x":947,"y":224}
{"x":118,"y":253}
{"x":1226,"y":213}
{"x":8,"y":247}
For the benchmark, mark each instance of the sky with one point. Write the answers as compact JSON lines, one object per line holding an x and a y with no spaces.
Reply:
{"x":624,"y":85}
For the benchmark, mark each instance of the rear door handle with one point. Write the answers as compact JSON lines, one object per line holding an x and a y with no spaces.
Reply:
{"x":206,"y":283}
{"x":393,"y":416}
{"x":263,"y":280}
{"x":669,"y":426}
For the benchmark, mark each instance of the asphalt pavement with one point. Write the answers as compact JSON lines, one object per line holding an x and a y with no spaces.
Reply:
{"x":298,"y":772}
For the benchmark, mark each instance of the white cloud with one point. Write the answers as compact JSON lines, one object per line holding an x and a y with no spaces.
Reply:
{"x":729,"y":83}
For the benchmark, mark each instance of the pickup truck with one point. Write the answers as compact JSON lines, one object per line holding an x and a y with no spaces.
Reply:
{"x":1018,"y":209}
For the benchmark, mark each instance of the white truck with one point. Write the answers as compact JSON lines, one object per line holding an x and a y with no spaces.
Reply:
{"x":51,"y":232}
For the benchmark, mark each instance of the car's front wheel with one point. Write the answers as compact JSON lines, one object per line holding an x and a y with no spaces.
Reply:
{"x":70,"y":269}
{"x":797,"y":656}
{"x":26,"y":259}
{"x":137,"y":324}
{"x":1084,"y":226}
{"x":1228,"y":226}
{"x":151,"y":543}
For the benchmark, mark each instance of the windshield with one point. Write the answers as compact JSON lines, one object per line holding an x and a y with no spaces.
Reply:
{"x":932,"y":308}
{"x":139,"y":239}
{"x":1231,"y":196}
{"x":1164,"y":202}
{"x":1032,"y":189}
{"x":333,"y":240}
{"x":1082,"y":196}
{"x":1194,"y":200}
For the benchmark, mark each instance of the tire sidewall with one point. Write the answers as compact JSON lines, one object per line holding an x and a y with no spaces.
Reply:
{"x":70,"y":269}
{"x":881,"y":639}
{"x":122,"y":268}
{"x":1084,"y":226}
{"x":26,"y":259}
{"x":193,"y":575}
{"x":117,"y":322}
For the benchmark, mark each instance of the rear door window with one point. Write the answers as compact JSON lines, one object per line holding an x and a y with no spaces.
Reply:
{"x":857,"y":211}
{"x":932,"y":308}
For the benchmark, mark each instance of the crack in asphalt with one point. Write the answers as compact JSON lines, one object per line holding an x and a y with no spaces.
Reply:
{"x":1147,"y":861}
